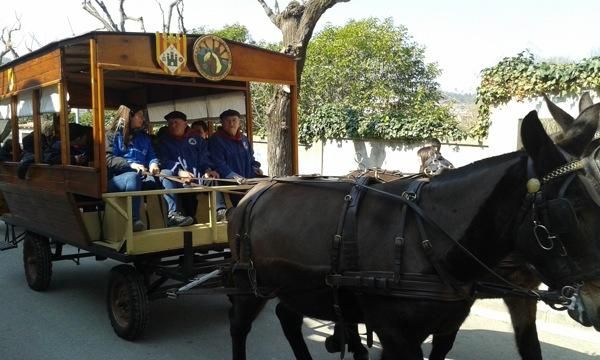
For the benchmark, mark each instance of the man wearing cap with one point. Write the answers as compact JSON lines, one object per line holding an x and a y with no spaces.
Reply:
{"x":185,"y":155}
{"x":232,"y":154}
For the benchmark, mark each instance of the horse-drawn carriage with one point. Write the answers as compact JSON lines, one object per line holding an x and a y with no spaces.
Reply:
{"x":66,"y":204}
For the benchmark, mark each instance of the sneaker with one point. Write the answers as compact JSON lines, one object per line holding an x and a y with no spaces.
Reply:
{"x":221,"y":214}
{"x":177,"y":219}
{"x":138,"y":225}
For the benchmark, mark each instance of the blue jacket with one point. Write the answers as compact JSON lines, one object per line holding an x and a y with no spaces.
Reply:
{"x":119,"y":157}
{"x":189,"y":153}
{"x":232,"y":156}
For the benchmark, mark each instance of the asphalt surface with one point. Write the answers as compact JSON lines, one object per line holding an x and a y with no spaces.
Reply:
{"x":70,"y":321}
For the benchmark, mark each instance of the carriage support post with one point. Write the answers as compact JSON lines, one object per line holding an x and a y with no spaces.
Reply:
{"x":188,"y":253}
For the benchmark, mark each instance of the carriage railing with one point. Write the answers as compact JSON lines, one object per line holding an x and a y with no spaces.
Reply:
{"x":114,"y":228}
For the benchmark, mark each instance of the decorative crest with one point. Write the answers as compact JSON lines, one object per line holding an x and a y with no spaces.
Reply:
{"x":171,"y":52}
{"x":212,"y":57}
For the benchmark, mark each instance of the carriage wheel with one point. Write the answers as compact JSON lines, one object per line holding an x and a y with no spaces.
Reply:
{"x":127,"y":301}
{"x":37,"y":259}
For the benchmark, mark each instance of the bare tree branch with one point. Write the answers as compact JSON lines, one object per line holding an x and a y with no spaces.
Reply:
{"x":162,"y":11}
{"x":91,"y":9}
{"x":171,"y":6}
{"x":123,"y":16}
{"x":108,"y":16}
{"x":6,"y":37}
{"x":274,"y":16}
{"x":33,"y":41}
{"x":180,"y":17}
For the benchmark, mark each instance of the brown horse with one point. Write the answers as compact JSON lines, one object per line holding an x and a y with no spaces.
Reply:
{"x":470,"y":218}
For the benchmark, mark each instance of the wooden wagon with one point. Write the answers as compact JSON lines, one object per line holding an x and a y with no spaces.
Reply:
{"x":65,"y":204}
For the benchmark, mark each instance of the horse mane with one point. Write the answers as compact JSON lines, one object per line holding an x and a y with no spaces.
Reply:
{"x":465,"y":191}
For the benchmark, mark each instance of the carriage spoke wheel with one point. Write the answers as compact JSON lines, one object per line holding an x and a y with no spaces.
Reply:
{"x":127,"y":302}
{"x":37,"y":260}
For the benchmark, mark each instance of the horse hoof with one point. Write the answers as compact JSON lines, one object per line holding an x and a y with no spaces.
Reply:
{"x":361,"y":356}
{"x":331,"y":344}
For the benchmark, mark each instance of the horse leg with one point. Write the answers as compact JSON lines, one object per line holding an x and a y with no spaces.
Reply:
{"x":523,"y":314}
{"x":243,"y":311}
{"x":291,"y":323}
{"x":355,"y":346}
{"x":396,"y":345}
{"x":441,"y":345}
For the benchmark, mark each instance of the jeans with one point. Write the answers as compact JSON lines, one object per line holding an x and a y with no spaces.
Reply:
{"x":132,"y":181}
{"x":188,"y":201}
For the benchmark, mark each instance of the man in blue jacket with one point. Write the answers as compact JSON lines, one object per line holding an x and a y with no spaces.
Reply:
{"x":231,"y":153}
{"x":184,"y":155}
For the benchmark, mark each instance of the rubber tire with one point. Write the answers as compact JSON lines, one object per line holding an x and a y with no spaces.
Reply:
{"x":127,"y":302}
{"x":37,"y":261}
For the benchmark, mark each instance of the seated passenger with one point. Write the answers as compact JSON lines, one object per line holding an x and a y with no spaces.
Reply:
{"x":232,"y":154}
{"x":185,"y":155}
{"x":79,"y":136}
{"x":129,"y":155}
{"x":6,"y":150}
{"x":47,"y":137}
{"x":200,"y":129}
{"x":432,"y":161}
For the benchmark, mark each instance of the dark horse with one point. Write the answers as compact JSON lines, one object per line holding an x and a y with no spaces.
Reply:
{"x":483,"y":211}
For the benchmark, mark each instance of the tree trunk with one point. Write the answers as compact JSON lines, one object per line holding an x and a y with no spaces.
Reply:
{"x":279,"y":147}
{"x":296,"y":23}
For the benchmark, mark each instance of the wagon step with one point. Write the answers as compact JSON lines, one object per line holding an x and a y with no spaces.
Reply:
{"x":7,"y":245}
{"x":11,"y":238}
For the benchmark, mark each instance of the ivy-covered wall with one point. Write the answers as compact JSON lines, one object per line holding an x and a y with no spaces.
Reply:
{"x":522,"y":77}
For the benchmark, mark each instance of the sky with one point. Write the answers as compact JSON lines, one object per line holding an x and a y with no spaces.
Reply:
{"x":461,"y":36}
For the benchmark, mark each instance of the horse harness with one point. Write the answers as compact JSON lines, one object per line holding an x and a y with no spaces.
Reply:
{"x":441,"y":286}
{"x":345,"y":273}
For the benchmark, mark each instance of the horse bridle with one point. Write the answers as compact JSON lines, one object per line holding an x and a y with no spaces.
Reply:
{"x":546,"y":239}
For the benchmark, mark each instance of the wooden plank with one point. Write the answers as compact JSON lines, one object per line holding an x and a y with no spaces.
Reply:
{"x":37,"y":71}
{"x":65,"y":156}
{"x":14,"y":123}
{"x":37,"y":126}
{"x":51,"y":213}
{"x":101,"y":146}
{"x":249,"y":115}
{"x":248,"y":63}
{"x":55,"y":178}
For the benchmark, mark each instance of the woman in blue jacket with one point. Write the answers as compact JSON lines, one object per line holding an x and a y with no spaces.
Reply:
{"x":129,"y":155}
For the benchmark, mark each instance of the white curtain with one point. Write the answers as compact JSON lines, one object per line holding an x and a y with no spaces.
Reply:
{"x":221,"y":102}
{"x":157,"y":111}
{"x":194,"y":108}
{"x":5,"y":109}
{"x":24,"y":104}
{"x":50,"y":101}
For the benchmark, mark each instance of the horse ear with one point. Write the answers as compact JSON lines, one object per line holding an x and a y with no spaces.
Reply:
{"x":585,"y":101}
{"x":581,"y":133}
{"x":538,"y":145}
{"x":563,"y":118}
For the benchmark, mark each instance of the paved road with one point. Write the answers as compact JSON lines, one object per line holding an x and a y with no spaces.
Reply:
{"x":70,"y":322}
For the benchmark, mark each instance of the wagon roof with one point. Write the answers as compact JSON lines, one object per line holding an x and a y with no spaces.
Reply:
{"x":84,"y":38}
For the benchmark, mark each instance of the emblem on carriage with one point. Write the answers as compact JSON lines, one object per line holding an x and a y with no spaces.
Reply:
{"x":212,"y":57}
{"x":171,"y":52}
{"x":10,"y":83}
{"x":192,"y":141}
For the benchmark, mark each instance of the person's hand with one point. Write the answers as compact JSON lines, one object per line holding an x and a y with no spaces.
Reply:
{"x":138,"y":167}
{"x":211,"y":174}
{"x":186,"y":176}
{"x":239,"y":179}
{"x":154,"y":169}
{"x":258,"y":171}
{"x":81,"y":159}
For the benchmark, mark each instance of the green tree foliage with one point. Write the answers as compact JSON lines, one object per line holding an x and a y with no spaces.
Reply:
{"x":368,"y":79}
{"x":235,"y":32}
{"x":521,"y":76}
